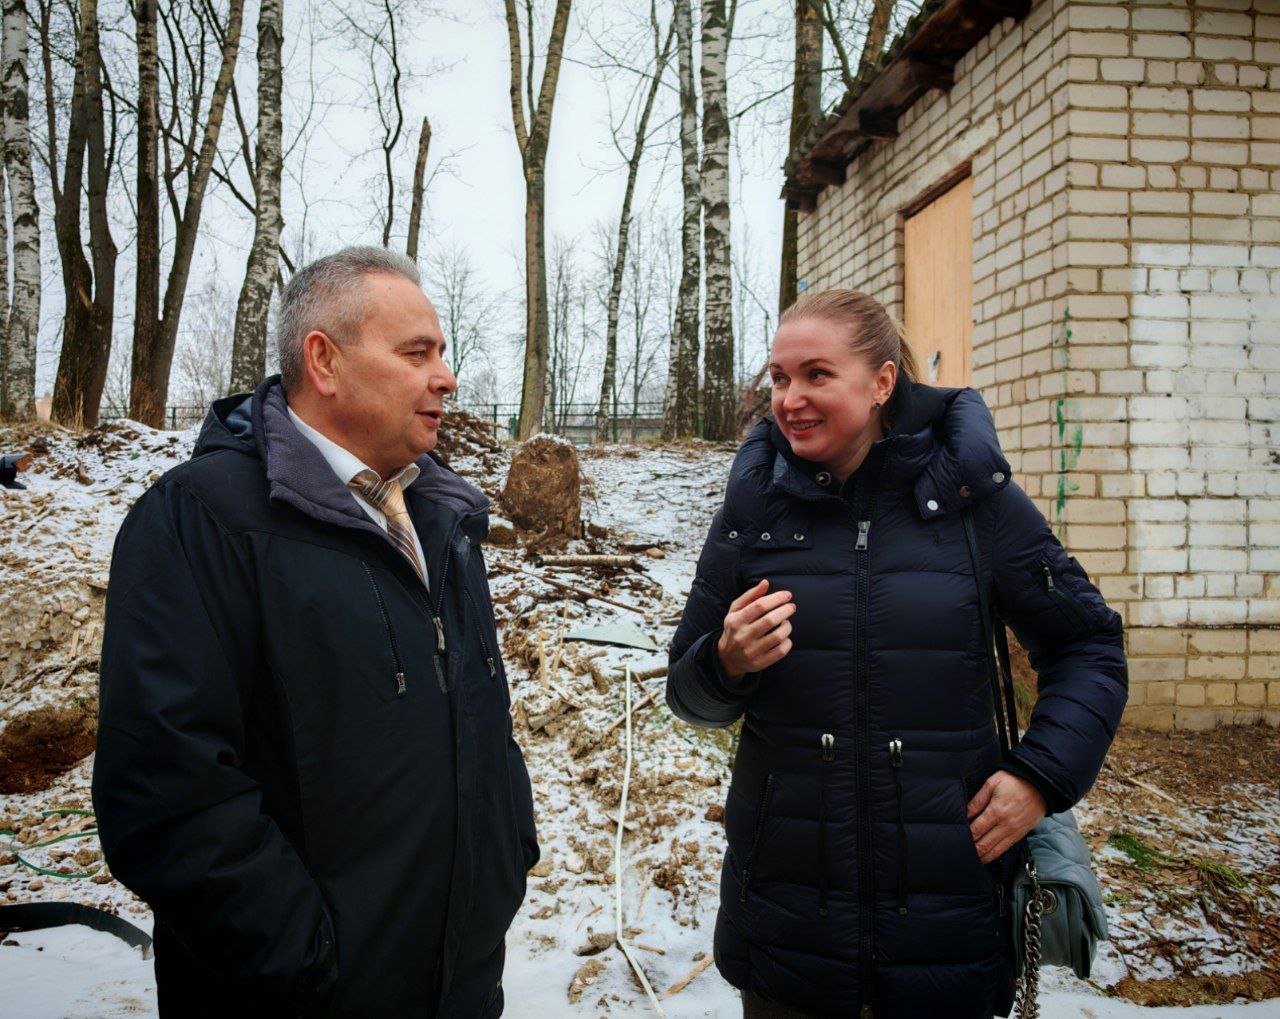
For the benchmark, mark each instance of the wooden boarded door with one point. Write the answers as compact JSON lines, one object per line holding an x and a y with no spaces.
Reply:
{"x":938,"y":287}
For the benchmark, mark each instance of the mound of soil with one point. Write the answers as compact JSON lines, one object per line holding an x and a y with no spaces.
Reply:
{"x":543,"y":493}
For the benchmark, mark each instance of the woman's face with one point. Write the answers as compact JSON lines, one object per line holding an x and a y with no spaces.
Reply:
{"x":823,"y":392}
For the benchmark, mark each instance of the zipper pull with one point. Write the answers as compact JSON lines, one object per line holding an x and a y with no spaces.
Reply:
{"x":828,"y":747}
{"x":1000,"y":897}
{"x":863,"y":527}
{"x":399,"y":684}
{"x":493,"y":670}
{"x":866,"y":1013}
{"x":895,"y":752}
{"x":1048,"y":577}
{"x":440,"y":646}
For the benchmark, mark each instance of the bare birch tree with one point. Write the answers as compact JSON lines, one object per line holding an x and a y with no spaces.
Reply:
{"x":565,"y":290}
{"x":644,"y":290}
{"x":4,"y":277}
{"x":608,"y":383}
{"x":806,"y":109}
{"x":19,"y":368}
{"x":249,"y":351}
{"x":532,"y":138}
{"x":680,"y":412}
{"x":468,"y":310}
{"x":720,"y":396}
{"x":146,"y":293}
{"x":153,"y":358}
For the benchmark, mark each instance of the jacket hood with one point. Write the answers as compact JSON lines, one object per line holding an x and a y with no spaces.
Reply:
{"x":943,"y":446}
{"x":257,"y":424}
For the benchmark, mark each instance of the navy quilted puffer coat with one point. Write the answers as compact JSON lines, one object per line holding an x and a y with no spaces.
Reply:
{"x":851,"y":885}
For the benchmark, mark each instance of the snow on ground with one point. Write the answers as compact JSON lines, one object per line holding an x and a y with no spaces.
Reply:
{"x":655,"y":503}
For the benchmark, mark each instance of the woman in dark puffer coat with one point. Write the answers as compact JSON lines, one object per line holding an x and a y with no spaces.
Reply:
{"x":872,"y":825}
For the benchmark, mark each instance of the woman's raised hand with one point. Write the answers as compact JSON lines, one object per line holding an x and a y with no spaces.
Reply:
{"x":756,"y":631}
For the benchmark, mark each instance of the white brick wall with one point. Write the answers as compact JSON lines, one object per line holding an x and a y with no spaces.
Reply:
{"x":1126,"y":243}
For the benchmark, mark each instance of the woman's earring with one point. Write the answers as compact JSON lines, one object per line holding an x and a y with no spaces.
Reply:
{"x":875,"y":406}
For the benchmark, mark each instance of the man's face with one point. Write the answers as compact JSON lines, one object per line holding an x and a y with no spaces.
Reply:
{"x":389,"y":385}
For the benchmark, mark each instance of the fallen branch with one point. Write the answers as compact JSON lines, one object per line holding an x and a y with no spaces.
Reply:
{"x":580,"y":592}
{"x":688,"y":978}
{"x":644,"y":702}
{"x":617,"y":862}
{"x":1140,"y":783}
{"x":588,"y":917}
{"x":598,"y":562}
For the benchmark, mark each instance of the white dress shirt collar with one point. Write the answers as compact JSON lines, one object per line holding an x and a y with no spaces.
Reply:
{"x":345,"y":464}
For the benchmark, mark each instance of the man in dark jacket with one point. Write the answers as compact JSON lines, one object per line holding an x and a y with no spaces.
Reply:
{"x":305,"y":763}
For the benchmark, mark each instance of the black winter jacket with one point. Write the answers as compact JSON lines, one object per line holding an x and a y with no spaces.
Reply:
{"x":851,"y":885}
{"x":305,"y":763}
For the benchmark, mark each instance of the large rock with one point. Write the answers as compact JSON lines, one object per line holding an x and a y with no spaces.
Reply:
{"x":542,"y":495}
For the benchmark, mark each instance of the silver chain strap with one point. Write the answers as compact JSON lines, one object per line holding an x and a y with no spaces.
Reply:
{"x":1027,"y":995}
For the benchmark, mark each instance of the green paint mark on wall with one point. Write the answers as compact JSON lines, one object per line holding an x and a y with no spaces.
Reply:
{"x":1069,"y":434}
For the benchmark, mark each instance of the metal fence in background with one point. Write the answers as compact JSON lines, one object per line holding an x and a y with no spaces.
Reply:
{"x":575,"y":421}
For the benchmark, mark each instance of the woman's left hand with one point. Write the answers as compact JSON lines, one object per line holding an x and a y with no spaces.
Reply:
{"x":1004,"y":810}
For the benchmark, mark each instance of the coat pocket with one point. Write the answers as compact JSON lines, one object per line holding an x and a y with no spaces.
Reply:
{"x":753,"y":850}
{"x":1050,"y":582}
{"x":969,"y":786}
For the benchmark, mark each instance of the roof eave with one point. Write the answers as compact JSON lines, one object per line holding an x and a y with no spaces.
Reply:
{"x":923,"y":57}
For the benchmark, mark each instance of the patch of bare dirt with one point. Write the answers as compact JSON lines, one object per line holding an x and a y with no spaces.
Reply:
{"x":39,"y":745}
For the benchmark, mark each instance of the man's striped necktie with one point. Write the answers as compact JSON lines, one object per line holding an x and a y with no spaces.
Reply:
{"x":388,"y":497}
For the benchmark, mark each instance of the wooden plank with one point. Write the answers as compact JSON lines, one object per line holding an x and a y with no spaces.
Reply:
{"x":938,"y":287}
{"x":823,"y":172}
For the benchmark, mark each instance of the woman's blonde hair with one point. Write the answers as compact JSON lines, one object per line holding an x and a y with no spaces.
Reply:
{"x":871,"y":331}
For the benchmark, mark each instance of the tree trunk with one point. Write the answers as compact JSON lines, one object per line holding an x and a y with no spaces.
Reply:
{"x":720,"y":392}
{"x":77,"y":277}
{"x":609,"y":382}
{"x":151,"y":365}
{"x":89,"y":299}
{"x":4,"y":278}
{"x":873,"y":45}
{"x":102,"y":247}
{"x":806,"y":107}
{"x":419,"y":178}
{"x":146,"y":302}
{"x":533,"y":140}
{"x":533,"y":391}
{"x":249,"y":349}
{"x":681,"y":418}
{"x":23,"y":326}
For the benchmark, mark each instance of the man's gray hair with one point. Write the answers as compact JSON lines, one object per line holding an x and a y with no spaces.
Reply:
{"x":329,"y":295}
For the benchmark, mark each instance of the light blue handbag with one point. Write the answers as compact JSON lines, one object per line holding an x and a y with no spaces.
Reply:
{"x":1058,"y":918}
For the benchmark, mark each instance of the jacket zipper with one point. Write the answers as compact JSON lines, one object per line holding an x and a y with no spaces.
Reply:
{"x":1062,"y":598}
{"x":866,"y":878}
{"x":442,"y":646}
{"x":391,"y":634}
{"x":828,"y":755}
{"x":765,"y":792}
{"x":895,"y":761}
{"x":489,"y":657}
